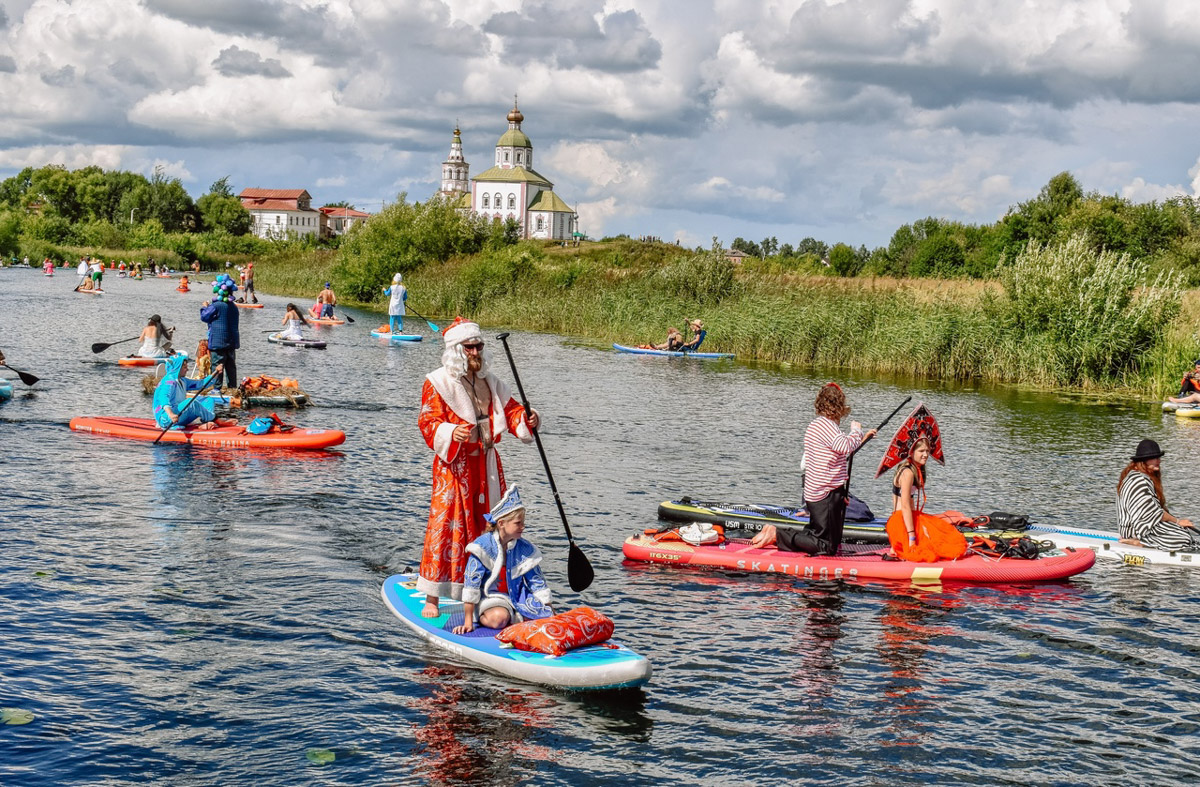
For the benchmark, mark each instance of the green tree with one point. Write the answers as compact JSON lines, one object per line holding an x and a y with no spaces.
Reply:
{"x":843,"y":260}
{"x":223,"y":213}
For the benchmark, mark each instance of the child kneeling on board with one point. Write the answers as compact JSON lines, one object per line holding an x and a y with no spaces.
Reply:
{"x":503,"y":582}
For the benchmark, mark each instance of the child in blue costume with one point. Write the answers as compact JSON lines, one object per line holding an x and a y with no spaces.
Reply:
{"x":504,"y":582}
{"x":173,"y":390}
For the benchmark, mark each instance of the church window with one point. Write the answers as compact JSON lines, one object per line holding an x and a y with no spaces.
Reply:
{"x":506,"y":155}
{"x":518,"y":157}
{"x":497,"y":201}
{"x":485,"y":201}
{"x":539,"y":224}
{"x":512,"y":201}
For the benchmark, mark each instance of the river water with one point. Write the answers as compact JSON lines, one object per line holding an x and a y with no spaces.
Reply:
{"x":208,"y":617}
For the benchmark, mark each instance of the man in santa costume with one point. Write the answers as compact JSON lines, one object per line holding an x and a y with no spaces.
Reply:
{"x":465,"y":410}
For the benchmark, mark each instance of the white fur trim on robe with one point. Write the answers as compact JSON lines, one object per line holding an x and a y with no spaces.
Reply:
{"x":455,"y":395}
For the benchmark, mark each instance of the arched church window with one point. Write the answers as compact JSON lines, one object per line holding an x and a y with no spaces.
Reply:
{"x":497,"y":201}
{"x":512,"y":201}
{"x":485,"y":201}
{"x":518,"y":157}
{"x":506,"y":155}
{"x":539,"y":224}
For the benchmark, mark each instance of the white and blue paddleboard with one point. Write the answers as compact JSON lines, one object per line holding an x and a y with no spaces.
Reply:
{"x":671,"y":353}
{"x":1108,"y":546}
{"x":608,"y":665}
{"x":398,"y":337}
{"x":6,"y":390}
{"x":312,"y":344}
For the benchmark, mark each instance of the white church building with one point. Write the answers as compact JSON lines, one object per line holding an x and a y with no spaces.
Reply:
{"x":511,"y":188}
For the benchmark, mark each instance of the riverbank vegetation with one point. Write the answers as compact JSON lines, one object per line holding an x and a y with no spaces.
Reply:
{"x":1067,"y":290}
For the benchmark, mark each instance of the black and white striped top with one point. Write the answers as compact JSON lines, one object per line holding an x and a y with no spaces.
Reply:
{"x":1140,"y":516}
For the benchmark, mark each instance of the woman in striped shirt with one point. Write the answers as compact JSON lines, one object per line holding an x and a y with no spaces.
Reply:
{"x":827,"y":450}
{"x":1142,"y":507}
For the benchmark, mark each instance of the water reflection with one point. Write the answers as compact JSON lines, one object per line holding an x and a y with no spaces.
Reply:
{"x":910,"y":620}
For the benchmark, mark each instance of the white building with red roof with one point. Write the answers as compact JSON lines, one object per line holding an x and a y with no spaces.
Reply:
{"x":338,"y":221}
{"x":281,"y":213}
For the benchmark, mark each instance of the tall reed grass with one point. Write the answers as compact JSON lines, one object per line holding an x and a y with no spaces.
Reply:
{"x":1059,"y":317}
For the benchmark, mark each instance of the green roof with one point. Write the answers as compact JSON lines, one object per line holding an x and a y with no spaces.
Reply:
{"x":548,"y":200}
{"x":513,"y":175}
{"x":514,"y":138}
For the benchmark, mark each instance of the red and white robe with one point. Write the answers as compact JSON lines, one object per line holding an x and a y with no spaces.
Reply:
{"x":467,"y":479}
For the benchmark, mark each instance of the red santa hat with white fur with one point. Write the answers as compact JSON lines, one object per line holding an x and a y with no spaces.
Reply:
{"x":461,"y":331}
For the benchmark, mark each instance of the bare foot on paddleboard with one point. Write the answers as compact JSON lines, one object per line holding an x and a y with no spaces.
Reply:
{"x":430,"y":610}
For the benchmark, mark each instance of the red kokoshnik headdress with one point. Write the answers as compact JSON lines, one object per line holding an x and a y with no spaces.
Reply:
{"x":920,"y":424}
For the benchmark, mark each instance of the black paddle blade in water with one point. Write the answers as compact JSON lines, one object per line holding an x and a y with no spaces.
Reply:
{"x":26,"y":377}
{"x":579,"y":570}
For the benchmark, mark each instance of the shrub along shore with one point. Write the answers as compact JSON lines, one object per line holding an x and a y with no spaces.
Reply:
{"x":1058,"y":317}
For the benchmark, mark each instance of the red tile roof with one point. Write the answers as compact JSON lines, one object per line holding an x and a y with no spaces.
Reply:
{"x":274,"y":204}
{"x":274,"y":194}
{"x":344,"y":213}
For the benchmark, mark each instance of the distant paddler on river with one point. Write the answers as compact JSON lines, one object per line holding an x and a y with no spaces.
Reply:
{"x":465,"y":410}
{"x":1189,"y":388}
{"x":397,"y":294}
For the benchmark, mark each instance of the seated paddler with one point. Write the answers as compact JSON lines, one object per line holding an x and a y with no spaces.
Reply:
{"x":173,"y":404}
{"x":503,"y":582}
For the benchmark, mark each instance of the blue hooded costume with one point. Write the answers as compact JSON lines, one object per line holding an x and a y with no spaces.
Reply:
{"x":528,"y":596}
{"x":172,"y":392}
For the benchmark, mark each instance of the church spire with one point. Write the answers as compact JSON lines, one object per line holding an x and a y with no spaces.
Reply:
{"x":455,"y":169}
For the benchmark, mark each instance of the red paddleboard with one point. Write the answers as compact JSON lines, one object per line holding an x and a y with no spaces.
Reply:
{"x":865,"y":562}
{"x":248,"y":305}
{"x":134,"y":360}
{"x":221,"y":437}
{"x":326,"y":321}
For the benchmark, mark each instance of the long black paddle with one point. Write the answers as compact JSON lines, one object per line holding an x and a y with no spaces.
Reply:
{"x":432,"y":326}
{"x":26,"y":377}
{"x":579,"y":570}
{"x":347,"y":318}
{"x":100,"y":347}
{"x":188,"y":403}
{"x":850,"y":459}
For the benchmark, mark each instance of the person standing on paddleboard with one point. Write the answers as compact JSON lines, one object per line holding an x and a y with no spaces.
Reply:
{"x":398,"y":294}
{"x":223,"y":337}
{"x":465,"y":410}
{"x":826,"y":451}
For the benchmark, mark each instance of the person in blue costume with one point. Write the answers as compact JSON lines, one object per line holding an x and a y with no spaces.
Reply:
{"x":503,"y":582}
{"x":171,"y":405}
{"x":398,"y":294}
{"x":698,"y":334}
{"x":223,"y":337}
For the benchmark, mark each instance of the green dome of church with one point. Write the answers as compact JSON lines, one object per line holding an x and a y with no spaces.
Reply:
{"x":514,"y":138}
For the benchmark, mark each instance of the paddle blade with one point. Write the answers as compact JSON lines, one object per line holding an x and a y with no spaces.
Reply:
{"x":100,"y":347}
{"x":579,"y":570}
{"x":433,"y":326}
{"x":26,"y":377}
{"x":348,"y":318}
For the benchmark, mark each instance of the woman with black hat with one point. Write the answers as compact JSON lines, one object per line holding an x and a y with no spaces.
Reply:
{"x":1142,"y":507}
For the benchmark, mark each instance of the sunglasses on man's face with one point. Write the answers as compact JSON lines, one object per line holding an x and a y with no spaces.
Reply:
{"x":473,"y":346}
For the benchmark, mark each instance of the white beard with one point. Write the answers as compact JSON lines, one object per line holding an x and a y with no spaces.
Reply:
{"x":454,"y":361}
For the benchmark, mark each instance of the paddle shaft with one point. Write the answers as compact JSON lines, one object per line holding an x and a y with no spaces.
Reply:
{"x":536,"y":438}
{"x":208,"y":380}
{"x":883,"y":423}
{"x":432,"y":326}
{"x":100,"y":347}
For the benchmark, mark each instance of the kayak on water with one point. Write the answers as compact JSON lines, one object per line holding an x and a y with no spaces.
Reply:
{"x":858,"y":562}
{"x":247,"y":305}
{"x":1108,"y":545}
{"x":861,"y":524}
{"x":398,"y":337}
{"x":6,"y":390}
{"x":220,"y":437}
{"x":312,"y":344}
{"x":672,"y":353}
{"x":137,"y":360}
{"x":325,"y":321}
{"x":608,"y":665}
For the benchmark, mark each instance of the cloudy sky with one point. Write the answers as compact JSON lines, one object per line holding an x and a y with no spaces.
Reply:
{"x":837,"y":119}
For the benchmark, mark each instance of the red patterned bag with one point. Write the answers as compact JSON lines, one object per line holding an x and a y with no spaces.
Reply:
{"x":559,"y":633}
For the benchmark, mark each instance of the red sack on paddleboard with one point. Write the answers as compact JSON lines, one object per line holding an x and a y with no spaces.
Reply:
{"x":559,"y":633}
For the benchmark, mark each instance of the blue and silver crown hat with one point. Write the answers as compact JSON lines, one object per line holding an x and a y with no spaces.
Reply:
{"x":508,"y":504}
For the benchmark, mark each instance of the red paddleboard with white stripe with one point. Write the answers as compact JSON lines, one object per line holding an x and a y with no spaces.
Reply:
{"x":858,"y":563}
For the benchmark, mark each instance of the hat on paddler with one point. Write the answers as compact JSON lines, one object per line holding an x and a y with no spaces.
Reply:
{"x":920,"y":425}
{"x":1146,"y":450}
{"x":510,"y":503}
{"x":460,"y":331}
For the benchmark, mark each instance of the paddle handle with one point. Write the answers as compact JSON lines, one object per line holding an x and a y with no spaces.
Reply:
{"x":199,"y":391}
{"x":536,"y":438}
